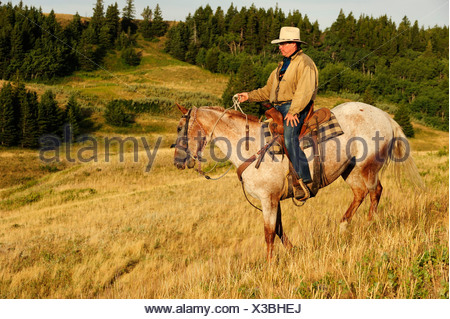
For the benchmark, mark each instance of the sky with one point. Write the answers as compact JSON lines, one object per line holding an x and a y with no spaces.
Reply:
{"x":428,"y":13}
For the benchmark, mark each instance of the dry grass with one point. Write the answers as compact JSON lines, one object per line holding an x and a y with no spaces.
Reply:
{"x":109,"y":230}
{"x":64,"y":19}
{"x":329,"y":101}
{"x":427,"y":139}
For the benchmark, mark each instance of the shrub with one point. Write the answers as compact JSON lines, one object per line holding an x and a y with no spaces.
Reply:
{"x":130,"y":57}
{"x":116,"y":113}
{"x":403,"y":119}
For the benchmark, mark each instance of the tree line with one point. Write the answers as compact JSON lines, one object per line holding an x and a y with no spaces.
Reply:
{"x":24,"y":118}
{"x":35,"y":46}
{"x":373,"y":57}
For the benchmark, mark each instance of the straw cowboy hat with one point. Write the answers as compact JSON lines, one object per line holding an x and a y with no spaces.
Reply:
{"x":289,"y":34}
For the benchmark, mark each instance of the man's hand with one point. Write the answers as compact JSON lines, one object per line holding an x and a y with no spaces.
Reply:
{"x":243,"y":97}
{"x":291,"y":119}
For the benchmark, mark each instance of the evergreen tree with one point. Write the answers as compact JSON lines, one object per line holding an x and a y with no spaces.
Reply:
{"x":230,"y":91}
{"x":87,"y":52}
{"x":50,"y":117}
{"x":5,"y":49}
{"x":176,"y":43}
{"x":244,"y":81}
{"x":212,"y":59}
{"x":368,"y":96}
{"x":51,"y":26}
{"x":112,"y":22}
{"x":17,"y":52}
{"x":129,"y":10}
{"x":74,"y":30}
{"x":105,"y":39}
{"x":404,"y":36}
{"x":403,"y":119}
{"x":73,"y":116}
{"x":69,"y":58}
{"x":428,"y":50}
{"x":128,"y":16}
{"x":251,"y":31}
{"x":159,"y":27}
{"x":147,"y":14}
{"x":145,"y":27}
{"x":97,"y":20}
{"x":200,"y":59}
{"x":219,"y":19}
{"x":247,"y":75}
{"x":9,"y":116}
{"x":28,"y":117}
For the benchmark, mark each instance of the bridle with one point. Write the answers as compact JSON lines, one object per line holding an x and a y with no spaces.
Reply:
{"x":182,"y":144}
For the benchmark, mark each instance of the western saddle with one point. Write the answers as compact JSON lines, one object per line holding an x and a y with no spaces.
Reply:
{"x":311,"y":124}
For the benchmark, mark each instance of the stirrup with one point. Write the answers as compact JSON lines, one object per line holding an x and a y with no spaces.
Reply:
{"x":301,"y":191}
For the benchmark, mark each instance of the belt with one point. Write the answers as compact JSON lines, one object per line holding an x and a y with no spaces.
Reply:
{"x":281,"y":103}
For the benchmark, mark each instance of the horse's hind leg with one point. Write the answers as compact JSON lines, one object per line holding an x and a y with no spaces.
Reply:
{"x":375,"y":194}
{"x":370,"y":175}
{"x":359,"y":188}
{"x":279,"y":230}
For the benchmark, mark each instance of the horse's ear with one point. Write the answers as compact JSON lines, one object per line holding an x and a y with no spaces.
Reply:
{"x":182,"y":108}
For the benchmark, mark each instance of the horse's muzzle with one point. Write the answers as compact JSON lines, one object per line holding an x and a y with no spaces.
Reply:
{"x":189,"y":163}
{"x":182,"y":159}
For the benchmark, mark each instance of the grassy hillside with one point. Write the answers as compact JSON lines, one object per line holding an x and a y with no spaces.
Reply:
{"x":158,"y":76}
{"x":111,"y":230}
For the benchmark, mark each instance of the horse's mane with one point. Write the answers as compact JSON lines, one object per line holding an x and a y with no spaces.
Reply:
{"x":233,"y":113}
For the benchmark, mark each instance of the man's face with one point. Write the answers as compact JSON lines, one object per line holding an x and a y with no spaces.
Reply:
{"x":287,"y":48}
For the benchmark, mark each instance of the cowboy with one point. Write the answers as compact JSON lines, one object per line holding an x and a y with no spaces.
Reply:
{"x":292,"y":89}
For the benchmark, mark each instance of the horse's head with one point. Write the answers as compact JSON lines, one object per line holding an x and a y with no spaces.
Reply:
{"x":191,"y":139}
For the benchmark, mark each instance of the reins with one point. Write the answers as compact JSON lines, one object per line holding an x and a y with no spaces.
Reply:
{"x":204,"y":174}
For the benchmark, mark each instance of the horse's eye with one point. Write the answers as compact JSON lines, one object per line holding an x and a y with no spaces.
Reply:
{"x":178,"y":129}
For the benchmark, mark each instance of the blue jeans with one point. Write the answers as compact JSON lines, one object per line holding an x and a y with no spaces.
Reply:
{"x":297,"y":156}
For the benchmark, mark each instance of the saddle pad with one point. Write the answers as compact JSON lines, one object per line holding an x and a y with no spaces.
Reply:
{"x":327,"y":130}
{"x":265,"y":131}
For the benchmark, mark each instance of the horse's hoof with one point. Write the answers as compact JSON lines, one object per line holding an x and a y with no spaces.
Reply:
{"x":343,"y":227}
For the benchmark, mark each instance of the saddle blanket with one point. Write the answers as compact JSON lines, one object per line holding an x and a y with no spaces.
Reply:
{"x":327,"y":130}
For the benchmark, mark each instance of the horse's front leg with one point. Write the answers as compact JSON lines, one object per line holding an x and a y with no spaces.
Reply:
{"x":269,"y":209}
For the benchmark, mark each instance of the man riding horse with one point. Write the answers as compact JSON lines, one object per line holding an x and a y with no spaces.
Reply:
{"x":292,"y":89}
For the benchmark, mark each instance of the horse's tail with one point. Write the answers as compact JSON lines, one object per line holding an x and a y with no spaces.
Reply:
{"x":399,"y":152}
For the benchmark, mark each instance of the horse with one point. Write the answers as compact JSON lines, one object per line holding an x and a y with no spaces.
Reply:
{"x":371,"y":141}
